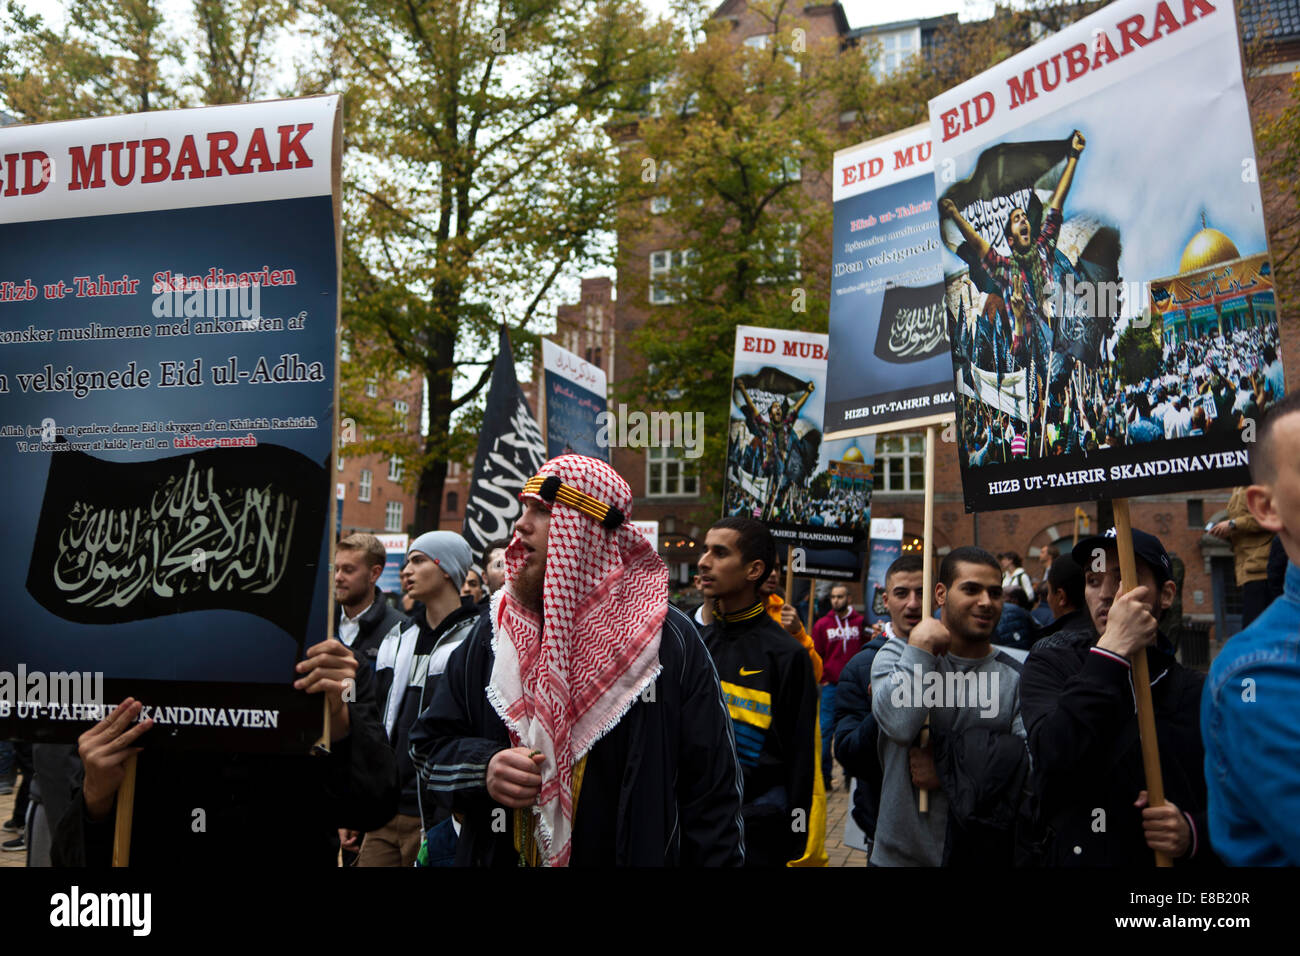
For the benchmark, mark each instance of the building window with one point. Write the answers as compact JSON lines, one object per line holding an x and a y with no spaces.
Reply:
{"x":363,"y":484}
{"x":395,"y":468}
{"x":783,"y":263}
{"x":453,"y":502}
{"x":393,"y":516}
{"x":372,"y":390}
{"x":662,"y":265}
{"x":758,"y":42}
{"x":1196,"y":513}
{"x":345,"y":350}
{"x":401,"y":413}
{"x":900,"y":462}
{"x":340,"y":460}
{"x":660,"y":205}
{"x":669,"y":474}
{"x":792,"y":169}
{"x":895,"y":49}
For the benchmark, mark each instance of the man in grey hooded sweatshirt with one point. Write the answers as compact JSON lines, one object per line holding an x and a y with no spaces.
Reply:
{"x":975,"y":766}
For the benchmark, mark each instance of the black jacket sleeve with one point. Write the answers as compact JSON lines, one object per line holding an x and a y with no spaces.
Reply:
{"x":361,"y":769}
{"x":709,"y":777}
{"x":797,"y":729}
{"x":855,"y":727}
{"x":1073,"y":716}
{"x":449,"y":755}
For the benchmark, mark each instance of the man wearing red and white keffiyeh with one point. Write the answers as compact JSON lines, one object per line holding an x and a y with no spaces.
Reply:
{"x":585,"y":704}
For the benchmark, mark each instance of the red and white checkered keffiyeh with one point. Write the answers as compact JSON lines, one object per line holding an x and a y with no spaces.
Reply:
{"x":563,"y":682}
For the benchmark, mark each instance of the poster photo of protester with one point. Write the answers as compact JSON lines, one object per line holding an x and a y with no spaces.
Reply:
{"x":1109,"y":303}
{"x":812,"y":493}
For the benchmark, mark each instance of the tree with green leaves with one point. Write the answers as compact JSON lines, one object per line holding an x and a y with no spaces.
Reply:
{"x":478,"y":176}
{"x":122,"y":56}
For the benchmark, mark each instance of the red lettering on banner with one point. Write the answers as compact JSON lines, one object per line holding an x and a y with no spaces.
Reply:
{"x":156,"y":164}
{"x":293,"y":145}
{"x":1164,"y":20}
{"x":221,"y":146}
{"x":257,"y":149}
{"x":87,"y":172}
{"x":188,"y":158}
{"x":1130,"y":34}
{"x":115,"y":149}
{"x":1022,"y":88}
{"x":1076,"y":62}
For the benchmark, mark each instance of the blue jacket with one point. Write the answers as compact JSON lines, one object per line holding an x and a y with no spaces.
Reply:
{"x":1250,"y":715}
{"x":856,"y":735}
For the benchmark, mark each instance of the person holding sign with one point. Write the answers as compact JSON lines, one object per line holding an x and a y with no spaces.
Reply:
{"x":976,"y":764}
{"x":580,"y":723}
{"x":195,"y":809}
{"x":1250,"y":711}
{"x":1083,"y":729}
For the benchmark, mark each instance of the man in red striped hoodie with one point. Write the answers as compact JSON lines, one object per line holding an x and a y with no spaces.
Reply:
{"x":836,"y":637}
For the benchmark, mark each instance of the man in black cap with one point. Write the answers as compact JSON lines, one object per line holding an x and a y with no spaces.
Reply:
{"x":1078,"y":705}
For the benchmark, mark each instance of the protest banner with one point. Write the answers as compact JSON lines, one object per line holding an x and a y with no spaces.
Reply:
{"x":886,"y":544}
{"x":1111,"y":309}
{"x":510,"y":450}
{"x":651,"y":531}
{"x":889,"y":367}
{"x":814,"y":495}
{"x":168,"y":320}
{"x":395,"y":548}
{"x":573,"y":401}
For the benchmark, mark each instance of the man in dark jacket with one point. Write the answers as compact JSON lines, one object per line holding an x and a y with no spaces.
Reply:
{"x":362,"y":616}
{"x":594,"y":733}
{"x":195,"y":810}
{"x":856,"y":731}
{"x":409,"y":665}
{"x":1065,"y":597}
{"x":767,"y":682}
{"x":1079,"y":709}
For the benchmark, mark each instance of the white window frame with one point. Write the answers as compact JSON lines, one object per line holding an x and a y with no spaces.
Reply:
{"x":393,"y":517}
{"x":365,"y":481}
{"x":372,"y":390}
{"x":911,"y":452}
{"x":663,"y":262}
{"x":395,"y":468}
{"x":660,"y":205}
{"x":685,"y":483}
{"x":895,"y":48}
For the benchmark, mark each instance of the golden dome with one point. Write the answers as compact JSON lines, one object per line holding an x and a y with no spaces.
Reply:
{"x":853,"y":454}
{"x":1209,"y":246}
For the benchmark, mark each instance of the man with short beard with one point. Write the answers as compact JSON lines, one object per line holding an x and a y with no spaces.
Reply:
{"x":976,"y":764}
{"x":1080,"y":711}
{"x":581,"y":722}
{"x":857,"y":735}
{"x":362,"y":616}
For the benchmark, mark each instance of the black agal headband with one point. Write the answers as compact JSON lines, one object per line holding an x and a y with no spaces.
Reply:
{"x":551,"y":489}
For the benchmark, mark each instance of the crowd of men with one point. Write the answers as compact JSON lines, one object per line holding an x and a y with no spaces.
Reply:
{"x":552,"y":708}
{"x":1210,"y":383}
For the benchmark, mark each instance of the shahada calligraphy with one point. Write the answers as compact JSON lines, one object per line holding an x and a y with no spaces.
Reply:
{"x":236,"y":529}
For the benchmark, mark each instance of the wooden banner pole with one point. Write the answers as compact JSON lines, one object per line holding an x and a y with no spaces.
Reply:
{"x":1141,"y":673}
{"x":125,"y":811}
{"x":927,"y":575}
{"x":812,"y":603}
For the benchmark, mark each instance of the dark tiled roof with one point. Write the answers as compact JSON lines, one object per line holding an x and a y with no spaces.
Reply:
{"x":1270,"y":19}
